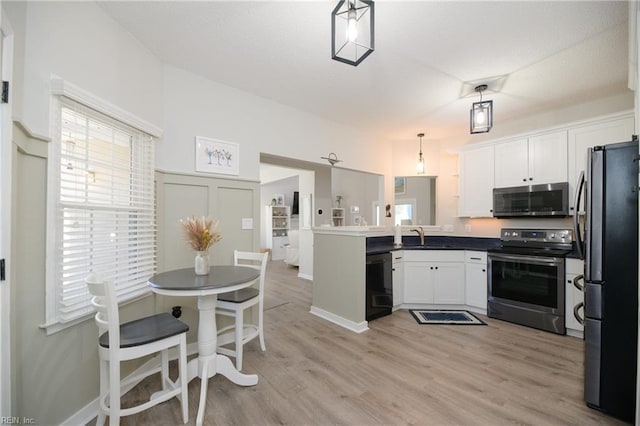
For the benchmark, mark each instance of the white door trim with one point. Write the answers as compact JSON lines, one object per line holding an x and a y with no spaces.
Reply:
{"x":6,"y":154}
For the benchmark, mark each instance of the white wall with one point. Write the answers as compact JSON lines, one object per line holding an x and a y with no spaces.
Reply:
{"x":357,"y":189}
{"x":77,"y":42}
{"x":195,"y":106}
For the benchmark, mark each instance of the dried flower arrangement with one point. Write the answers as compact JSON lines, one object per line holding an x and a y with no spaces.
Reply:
{"x":200,"y":234}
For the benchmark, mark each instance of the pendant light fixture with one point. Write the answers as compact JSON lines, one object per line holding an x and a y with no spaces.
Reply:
{"x":352,"y":31}
{"x":481,"y":113}
{"x":420,"y":165}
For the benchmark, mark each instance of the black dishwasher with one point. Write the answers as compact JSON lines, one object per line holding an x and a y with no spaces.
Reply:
{"x":379,"y":286}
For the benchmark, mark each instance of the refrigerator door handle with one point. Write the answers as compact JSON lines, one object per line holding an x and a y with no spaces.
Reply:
{"x":576,"y":215}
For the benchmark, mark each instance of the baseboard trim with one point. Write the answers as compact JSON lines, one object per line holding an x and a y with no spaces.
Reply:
{"x":356,"y":327}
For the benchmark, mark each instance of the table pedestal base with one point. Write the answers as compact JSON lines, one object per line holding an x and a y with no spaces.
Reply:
{"x":209,"y":367}
{"x":209,"y":363}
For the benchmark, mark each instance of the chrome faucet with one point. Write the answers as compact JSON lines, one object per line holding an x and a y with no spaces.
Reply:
{"x":420,"y":232}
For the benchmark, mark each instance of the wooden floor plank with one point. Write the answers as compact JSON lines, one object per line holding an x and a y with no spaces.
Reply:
{"x":399,"y":372}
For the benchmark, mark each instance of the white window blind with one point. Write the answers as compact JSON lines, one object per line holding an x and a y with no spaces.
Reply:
{"x":104,"y":211}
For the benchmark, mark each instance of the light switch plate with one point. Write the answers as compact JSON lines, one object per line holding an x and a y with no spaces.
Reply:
{"x":247,"y":223}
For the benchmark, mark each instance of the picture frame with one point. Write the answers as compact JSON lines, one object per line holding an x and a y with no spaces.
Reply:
{"x":217,"y":156}
{"x":279,"y":199}
{"x":400,"y":184}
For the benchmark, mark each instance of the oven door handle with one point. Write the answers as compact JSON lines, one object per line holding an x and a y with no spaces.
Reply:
{"x":537,"y":260}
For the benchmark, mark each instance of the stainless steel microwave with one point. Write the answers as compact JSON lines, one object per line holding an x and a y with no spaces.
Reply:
{"x":550,"y":199}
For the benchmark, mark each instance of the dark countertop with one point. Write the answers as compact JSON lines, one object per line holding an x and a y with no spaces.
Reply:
{"x":377,"y":245}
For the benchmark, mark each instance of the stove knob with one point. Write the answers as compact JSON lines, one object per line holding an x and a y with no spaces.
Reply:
{"x":552,"y":236}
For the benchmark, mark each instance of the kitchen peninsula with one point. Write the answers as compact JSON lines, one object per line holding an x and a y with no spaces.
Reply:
{"x":340,"y":255}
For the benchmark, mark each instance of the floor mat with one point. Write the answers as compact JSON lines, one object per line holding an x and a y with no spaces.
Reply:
{"x":448,"y":317}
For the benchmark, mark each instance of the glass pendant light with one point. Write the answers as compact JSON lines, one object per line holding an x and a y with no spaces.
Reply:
{"x":420,"y":165}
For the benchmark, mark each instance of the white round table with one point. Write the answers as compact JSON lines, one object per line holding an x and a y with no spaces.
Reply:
{"x":221,"y":279}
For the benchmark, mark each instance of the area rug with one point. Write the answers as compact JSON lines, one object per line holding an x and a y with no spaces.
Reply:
{"x":430,"y":316}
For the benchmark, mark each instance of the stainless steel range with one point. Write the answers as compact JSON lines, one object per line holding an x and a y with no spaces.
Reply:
{"x":526,"y":277}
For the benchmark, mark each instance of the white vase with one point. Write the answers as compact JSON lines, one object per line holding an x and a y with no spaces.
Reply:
{"x":202,"y":263}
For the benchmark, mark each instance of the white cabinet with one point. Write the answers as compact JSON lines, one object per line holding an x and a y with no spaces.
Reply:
{"x":448,"y":285}
{"x":277,"y":228}
{"x":418,"y":282}
{"x":531,"y":161}
{"x":617,"y":129}
{"x":476,"y":279}
{"x":573,"y":296}
{"x":476,"y":182}
{"x":434,"y":276}
{"x":397,"y":273}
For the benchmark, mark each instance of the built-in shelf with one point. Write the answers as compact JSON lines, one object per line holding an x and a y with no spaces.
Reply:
{"x":337,"y":216}
{"x":277,"y":223}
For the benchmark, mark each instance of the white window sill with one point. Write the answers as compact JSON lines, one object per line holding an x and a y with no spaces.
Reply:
{"x":57,"y":326}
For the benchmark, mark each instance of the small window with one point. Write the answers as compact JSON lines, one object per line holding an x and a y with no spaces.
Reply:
{"x":405,"y":210}
{"x":101,"y":215}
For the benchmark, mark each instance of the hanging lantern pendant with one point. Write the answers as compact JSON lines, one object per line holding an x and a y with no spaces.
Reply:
{"x":481,"y":113}
{"x":352,"y":37}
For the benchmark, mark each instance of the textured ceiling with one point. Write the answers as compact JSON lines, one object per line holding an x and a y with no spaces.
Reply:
{"x":428,"y":57}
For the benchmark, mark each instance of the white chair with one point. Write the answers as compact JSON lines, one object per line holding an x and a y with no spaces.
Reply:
{"x":234,"y":303}
{"x":133,"y":340}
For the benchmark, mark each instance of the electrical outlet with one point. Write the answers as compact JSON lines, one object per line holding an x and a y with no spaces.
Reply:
{"x":467,"y":228}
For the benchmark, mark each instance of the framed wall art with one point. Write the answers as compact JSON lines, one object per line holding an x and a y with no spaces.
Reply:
{"x":400,"y":184}
{"x":216,"y":156}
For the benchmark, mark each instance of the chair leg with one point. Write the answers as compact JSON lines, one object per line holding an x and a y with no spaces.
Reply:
{"x":104,"y":390}
{"x":164,"y":368}
{"x":260,"y":328}
{"x":114,"y":392}
{"x":239,"y":338}
{"x":184,"y":380}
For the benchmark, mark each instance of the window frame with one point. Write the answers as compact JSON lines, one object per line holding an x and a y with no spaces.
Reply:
{"x":113,"y":115}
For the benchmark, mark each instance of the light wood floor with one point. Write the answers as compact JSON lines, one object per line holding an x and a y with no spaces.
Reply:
{"x":398,"y":372}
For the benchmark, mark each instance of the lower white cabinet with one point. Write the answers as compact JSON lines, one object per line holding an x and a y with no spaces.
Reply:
{"x":476,"y":279}
{"x":418,"y":282}
{"x":397,"y":274}
{"x":434,"y":276}
{"x":573,"y":295}
{"x":448,"y":285}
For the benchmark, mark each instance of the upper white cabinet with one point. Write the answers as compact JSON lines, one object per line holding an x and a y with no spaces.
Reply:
{"x":531,"y":161}
{"x":476,"y":182}
{"x":617,"y":129}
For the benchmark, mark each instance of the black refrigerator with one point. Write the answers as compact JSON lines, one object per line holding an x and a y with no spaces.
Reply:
{"x":611,"y":279}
